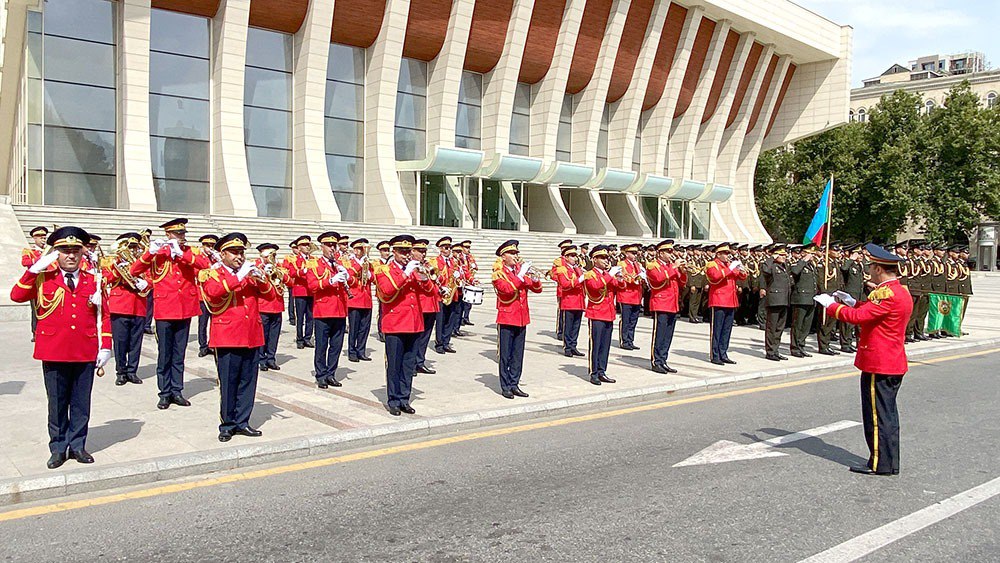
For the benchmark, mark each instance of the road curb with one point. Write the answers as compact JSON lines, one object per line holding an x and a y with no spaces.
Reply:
{"x":38,"y":487}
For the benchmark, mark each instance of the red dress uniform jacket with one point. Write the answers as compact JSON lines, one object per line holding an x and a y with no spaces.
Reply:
{"x":600,"y":288}
{"x":174,"y":290}
{"x":271,"y":299}
{"x":722,"y":284}
{"x":568,"y":279}
{"x":665,"y":283}
{"x":296,"y":266}
{"x":553,"y":272}
{"x":329,"y":297}
{"x":446,"y":271}
{"x":123,"y":299}
{"x":428,"y":294}
{"x":67,"y":322}
{"x":512,"y":296}
{"x":234,"y":308}
{"x":630,"y":292}
{"x":882,"y":319}
{"x":362,"y":292}
{"x":400,"y":306}
{"x":29,"y":256}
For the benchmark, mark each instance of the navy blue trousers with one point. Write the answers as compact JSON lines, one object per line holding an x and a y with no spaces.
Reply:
{"x":424,"y":338}
{"x":360,"y":326}
{"x":272,"y":331}
{"x":68,"y":386}
{"x":149,"y":311}
{"x":379,"y":327}
{"x":663,"y":335}
{"x":722,"y":328}
{"x":466,"y":311}
{"x":303,"y":319}
{"x":570,"y":326}
{"x":237,"y":385}
{"x":626,"y":326}
{"x":446,"y":325}
{"x":204,"y":319}
{"x":511,"y":340}
{"x":400,"y":363}
{"x":600,"y":346}
{"x":171,"y":338}
{"x":126,"y":336}
{"x":329,"y":345}
{"x":559,"y":319}
{"x":291,"y":307}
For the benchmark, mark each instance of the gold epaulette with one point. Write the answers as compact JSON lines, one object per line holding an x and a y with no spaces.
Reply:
{"x":497,"y":274}
{"x":207,"y":273}
{"x":651,"y":265}
{"x":591,"y":274}
{"x":26,"y":252}
{"x":312,"y":263}
{"x":879,"y":294}
{"x":560,"y":270}
{"x":557,"y":262}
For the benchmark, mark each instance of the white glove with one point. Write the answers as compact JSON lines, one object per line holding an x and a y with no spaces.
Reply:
{"x":95,"y":298}
{"x":244,"y":271}
{"x":175,"y":249}
{"x":103,"y":355}
{"x":92,"y":257}
{"x":141,"y":284}
{"x":269,"y":268}
{"x":156,"y":246}
{"x":457,"y":274}
{"x":824,"y":299}
{"x":339,"y":277}
{"x":736,"y":264}
{"x":642,"y":274}
{"x":411,"y":267}
{"x":582,"y":278}
{"x":43,"y":263}
{"x":523,"y":270}
{"x":845,"y":298}
{"x":614,"y":271}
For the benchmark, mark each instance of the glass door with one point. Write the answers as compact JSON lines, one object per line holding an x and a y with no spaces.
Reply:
{"x":470,"y":194}
{"x":501,"y":205}
{"x":439,"y":205}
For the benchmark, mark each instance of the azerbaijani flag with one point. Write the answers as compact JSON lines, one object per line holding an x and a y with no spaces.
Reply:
{"x":821,"y":220}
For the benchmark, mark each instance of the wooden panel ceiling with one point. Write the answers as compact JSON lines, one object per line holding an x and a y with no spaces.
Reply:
{"x":357,"y":22}
{"x":725,"y":63}
{"x":279,"y":15}
{"x":540,"y":46}
{"x":781,"y":98}
{"x":205,"y":8}
{"x":699,"y":52}
{"x":664,"y":58}
{"x":745,"y":78}
{"x":426,"y":27}
{"x":488,"y":34}
{"x":762,"y":95}
{"x":588,"y":44}
{"x":639,"y":12}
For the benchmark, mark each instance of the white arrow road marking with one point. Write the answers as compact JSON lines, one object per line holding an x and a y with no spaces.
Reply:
{"x":724,"y":450}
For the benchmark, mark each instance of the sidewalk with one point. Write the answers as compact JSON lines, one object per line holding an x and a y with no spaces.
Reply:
{"x":133,"y":442}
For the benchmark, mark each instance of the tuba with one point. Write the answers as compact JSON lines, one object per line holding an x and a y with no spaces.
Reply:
{"x":123,"y":260}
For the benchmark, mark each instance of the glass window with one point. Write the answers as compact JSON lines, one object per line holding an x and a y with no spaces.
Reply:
{"x":411,"y":111}
{"x":413,"y":77}
{"x":181,"y":196}
{"x":637,"y":152}
{"x":272,"y":201}
{"x":269,"y":49}
{"x":346,"y":101}
{"x":84,"y":107}
{"x":346,"y":64}
{"x":469,"y":121}
{"x":344,"y":137}
{"x":701,"y":220}
{"x":991,"y":100}
{"x":344,"y":129}
{"x":267,"y":128}
{"x":564,"y":137}
{"x":602,"y":138}
{"x":178,"y":75}
{"x":33,"y":62}
{"x":410,"y":144}
{"x":269,"y":167}
{"x":79,"y":150}
{"x":520,"y":121}
{"x":70,"y":60}
{"x":183,"y":118}
{"x":351,"y":205}
{"x":267,"y":88}
{"x":90,"y":20}
{"x":470,"y":91}
{"x":179,"y":159}
{"x":79,"y":190}
{"x":346,"y":173}
{"x":183,"y":34}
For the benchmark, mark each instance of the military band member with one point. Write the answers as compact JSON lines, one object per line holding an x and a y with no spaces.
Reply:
{"x":447,"y":319}
{"x":512,"y":284}
{"x":92,"y":255}
{"x":384,"y":256}
{"x":31,"y":255}
{"x":601,"y":284}
{"x":271,"y":304}
{"x":805,"y":282}
{"x":648,"y":255}
{"x":585,"y":259}
{"x":829,"y":280}
{"x":402,"y":323}
{"x":359,"y":303}
{"x":173,"y":269}
{"x":232,"y":289}
{"x":145,"y":235}
{"x":208,"y":251}
{"x":291,"y":296}
{"x":881,"y":357}
{"x":665,"y":277}
{"x":429,"y":300}
{"x":853,"y":273}
{"x":471,"y":267}
{"x":723,"y":274}
{"x":696,"y":285}
{"x":569,"y":277}
{"x":557,"y":263}
{"x":303,"y":298}
{"x":73,"y":339}
{"x":343,"y":245}
{"x":328,"y":282}
{"x":630,"y":296}
{"x":464,"y":279}
{"x":126,"y":304}
{"x":776,"y":289}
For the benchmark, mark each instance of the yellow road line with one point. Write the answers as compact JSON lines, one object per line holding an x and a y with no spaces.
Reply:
{"x":427,"y":444}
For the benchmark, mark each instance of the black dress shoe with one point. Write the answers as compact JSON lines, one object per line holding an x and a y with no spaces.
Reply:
{"x":772,"y":357}
{"x":909,"y":340}
{"x":669,"y":369}
{"x":203,"y":353}
{"x":849,"y":349}
{"x":798,"y":355}
{"x":365,"y":358}
{"x":248,"y":431}
{"x":780,"y":357}
{"x":578,"y":353}
{"x":352,"y":359}
{"x":460,"y":333}
{"x":517,"y":392}
{"x":394,"y":411}
{"x":507,"y":394}
{"x":133,"y":378}
{"x":595,"y":381}
{"x":120,"y":380}
{"x":163,"y":404}
{"x":828,"y":353}
{"x":450,"y":349}
{"x":568,"y":354}
{"x":82,"y":456}
{"x":605,"y":379}
{"x":439,"y":350}
{"x":728,"y":361}
{"x":659,"y":369}
{"x":321,"y":383}
{"x":300,"y":345}
{"x":425,"y":369}
{"x":407,"y":409}
{"x":865,"y":470}
{"x":718,"y":362}
{"x":309,"y":344}
{"x":332,"y":381}
{"x":56,"y":460}
{"x":380,"y":338}
{"x":225,"y":436}
{"x":806,"y":355}
{"x":274,"y":366}
{"x":180,"y":401}
{"x":262,"y":367}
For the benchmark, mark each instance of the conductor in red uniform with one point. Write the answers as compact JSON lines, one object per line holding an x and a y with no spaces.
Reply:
{"x":665,"y":277}
{"x":402,"y":323}
{"x":881,"y":355}
{"x":73,"y":339}
{"x":232,"y":289}
{"x":722,"y":274}
{"x":512,"y":283}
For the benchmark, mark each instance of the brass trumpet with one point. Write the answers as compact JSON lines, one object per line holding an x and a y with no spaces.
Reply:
{"x":123,"y":260}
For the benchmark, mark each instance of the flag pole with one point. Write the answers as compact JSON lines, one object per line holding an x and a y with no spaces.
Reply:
{"x":826,"y":254}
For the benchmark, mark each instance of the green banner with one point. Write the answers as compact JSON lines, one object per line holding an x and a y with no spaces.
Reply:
{"x":945,"y":313}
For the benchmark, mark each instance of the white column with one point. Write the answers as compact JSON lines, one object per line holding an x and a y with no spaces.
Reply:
{"x":547,"y":95}
{"x":625,"y":121}
{"x":656,"y":135}
{"x":500,"y":83}
{"x":135,"y":169}
{"x":590,"y":108}
{"x":445,"y":77}
{"x":230,"y":179}
{"x":684,"y":131}
{"x":312,"y":197}
{"x":384,"y":202}
{"x":13,"y":35}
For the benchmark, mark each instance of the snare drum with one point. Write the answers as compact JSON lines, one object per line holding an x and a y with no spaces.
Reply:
{"x":472,"y":295}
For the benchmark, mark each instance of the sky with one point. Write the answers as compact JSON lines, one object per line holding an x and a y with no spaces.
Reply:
{"x":897,"y":31}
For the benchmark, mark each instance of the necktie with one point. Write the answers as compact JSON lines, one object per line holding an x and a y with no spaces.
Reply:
{"x":70,"y":283}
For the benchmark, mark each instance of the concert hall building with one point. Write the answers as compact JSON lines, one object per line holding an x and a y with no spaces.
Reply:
{"x":640,"y":118}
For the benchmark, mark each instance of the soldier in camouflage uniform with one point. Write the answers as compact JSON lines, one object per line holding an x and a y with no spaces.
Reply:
{"x":803,"y":307}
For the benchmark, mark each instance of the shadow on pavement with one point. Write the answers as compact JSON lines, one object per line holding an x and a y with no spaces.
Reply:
{"x":814,"y":446}
{"x":490,"y":381}
{"x":113,"y":432}
{"x":11,"y":387}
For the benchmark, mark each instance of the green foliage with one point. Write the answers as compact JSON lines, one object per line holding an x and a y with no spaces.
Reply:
{"x":940,"y":170}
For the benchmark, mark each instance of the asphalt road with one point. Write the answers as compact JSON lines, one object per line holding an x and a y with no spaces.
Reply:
{"x":595,"y":490}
